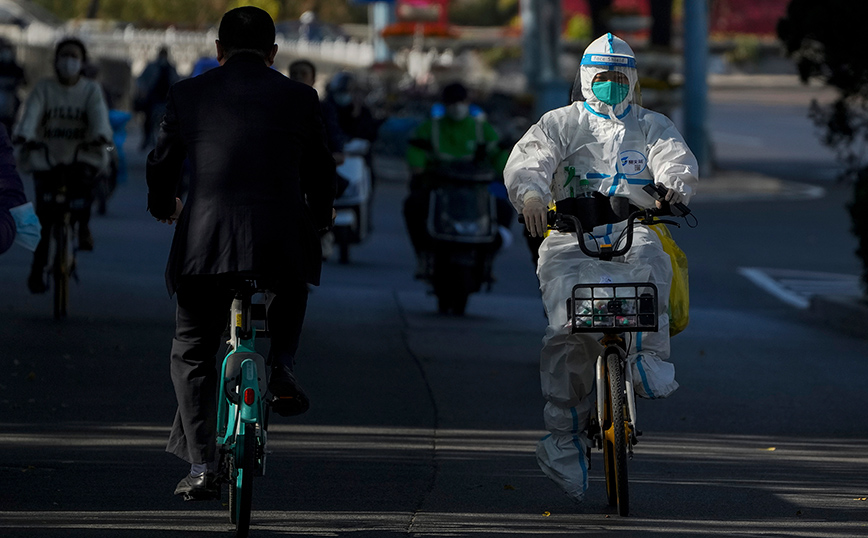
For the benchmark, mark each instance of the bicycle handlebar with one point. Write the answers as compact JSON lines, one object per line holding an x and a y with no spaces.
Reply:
{"x":564,"y":222}
{"x":658,"y":192}
{"x":38,"y":144}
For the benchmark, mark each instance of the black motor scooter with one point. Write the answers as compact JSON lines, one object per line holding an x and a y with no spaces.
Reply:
{"x":462,"y":222}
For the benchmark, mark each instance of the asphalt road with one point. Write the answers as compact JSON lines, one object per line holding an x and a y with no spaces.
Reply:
{"x":424,"y":425}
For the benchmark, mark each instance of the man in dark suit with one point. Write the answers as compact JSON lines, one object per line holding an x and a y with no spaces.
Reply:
{"x":261,"y":192}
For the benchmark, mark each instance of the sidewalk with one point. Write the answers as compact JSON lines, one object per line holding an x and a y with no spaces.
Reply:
{"x":848,"y":313}
{"x":735,"y":185}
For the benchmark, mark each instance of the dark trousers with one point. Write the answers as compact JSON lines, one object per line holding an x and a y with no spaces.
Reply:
{"x":202,"y":315}
{"x":80,"y":192}
{"x":416,"y":219}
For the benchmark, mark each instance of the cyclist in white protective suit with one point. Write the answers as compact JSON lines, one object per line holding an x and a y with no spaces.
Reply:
{"x":607,"y":148}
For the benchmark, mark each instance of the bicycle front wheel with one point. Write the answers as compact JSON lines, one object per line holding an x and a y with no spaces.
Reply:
{"x":615,"y":436}
{"x":60,"y":270}
{"x":241,"y":489}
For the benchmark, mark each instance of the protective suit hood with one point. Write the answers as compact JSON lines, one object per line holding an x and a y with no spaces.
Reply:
{"x":606,"y":53}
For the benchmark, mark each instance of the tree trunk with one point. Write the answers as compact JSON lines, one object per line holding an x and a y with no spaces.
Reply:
{"x":93,"y":10}
{"x":601,"y":12}
{"x":661,"y":25}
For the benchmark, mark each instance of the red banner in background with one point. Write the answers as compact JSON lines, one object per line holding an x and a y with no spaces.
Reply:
{"x":430,"y":11}
{"x":726,"y":16}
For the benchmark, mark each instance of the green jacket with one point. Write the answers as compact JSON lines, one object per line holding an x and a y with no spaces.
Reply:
{"x":457,"y":140}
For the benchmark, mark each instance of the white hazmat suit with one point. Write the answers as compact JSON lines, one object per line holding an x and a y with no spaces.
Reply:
{"x":612,"y":149}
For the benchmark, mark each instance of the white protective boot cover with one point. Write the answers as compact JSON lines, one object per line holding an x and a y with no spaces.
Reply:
{"x":562,"y":455}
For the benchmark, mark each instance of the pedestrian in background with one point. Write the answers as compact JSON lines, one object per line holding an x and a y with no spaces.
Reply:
{"x":11,"y":79}
{"x":152,"y":86}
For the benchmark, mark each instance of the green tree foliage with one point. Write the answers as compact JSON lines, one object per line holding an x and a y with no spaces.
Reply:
{"x":65,"y":9}
{"x":202,"y":13}
{"x":826,"y":38}
{"x":482,"y":12}
{"x":271,"y":6}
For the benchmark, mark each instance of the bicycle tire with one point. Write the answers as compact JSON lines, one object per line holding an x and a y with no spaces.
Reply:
{"x":244,"y":483}
{"x":615,"y":437}
{"x":60,"y":270}
{"x":232,"y":492}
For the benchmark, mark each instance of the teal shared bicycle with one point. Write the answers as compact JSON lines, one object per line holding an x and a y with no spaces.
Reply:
{"x":242,"y":414}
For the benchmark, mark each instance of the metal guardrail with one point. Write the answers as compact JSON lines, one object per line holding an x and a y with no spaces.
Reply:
{"x":140,"y":46}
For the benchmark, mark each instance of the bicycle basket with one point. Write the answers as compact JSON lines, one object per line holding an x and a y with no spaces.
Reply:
{"x":628,"y":307}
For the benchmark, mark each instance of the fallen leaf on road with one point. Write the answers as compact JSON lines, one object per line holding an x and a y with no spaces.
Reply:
{"x":771,"y":449}
{"x":861,"y":499}
{"x":508,"y":487}
{"x":546,"y":514}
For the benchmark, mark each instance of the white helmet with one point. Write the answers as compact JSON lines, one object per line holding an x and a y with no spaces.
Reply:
{"x":606,"y":53}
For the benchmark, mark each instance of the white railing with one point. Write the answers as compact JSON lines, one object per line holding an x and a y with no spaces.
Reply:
{"x":140,"y":46}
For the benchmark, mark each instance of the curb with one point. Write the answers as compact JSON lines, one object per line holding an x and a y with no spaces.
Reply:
{"x":847,"y":314}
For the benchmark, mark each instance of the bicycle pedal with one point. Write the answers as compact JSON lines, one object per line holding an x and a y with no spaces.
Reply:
{"x":189,"y":497}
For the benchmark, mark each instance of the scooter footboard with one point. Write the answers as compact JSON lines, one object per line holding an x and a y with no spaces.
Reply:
{"x":613,"y":308}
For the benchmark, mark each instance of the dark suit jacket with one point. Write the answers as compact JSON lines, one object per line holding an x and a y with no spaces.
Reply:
{"x":11,"y":191}
{"x":262,"y":180}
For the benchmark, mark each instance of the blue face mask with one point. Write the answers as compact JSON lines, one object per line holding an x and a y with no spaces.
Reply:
{"x":610,"y":92}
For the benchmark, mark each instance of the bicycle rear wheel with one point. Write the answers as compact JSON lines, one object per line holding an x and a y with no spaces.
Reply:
{"x":241,"y":488}
{"x":615,"y":436}
{"x":60,"y":270}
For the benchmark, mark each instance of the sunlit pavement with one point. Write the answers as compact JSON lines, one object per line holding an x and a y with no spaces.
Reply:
{"x":425,"y":425}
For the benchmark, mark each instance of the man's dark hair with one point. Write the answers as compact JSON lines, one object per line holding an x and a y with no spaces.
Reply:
{"x":303,"y":63}
{"x":71,"y":41}
{"x":454,"y":93}
{"x":247,"y":29}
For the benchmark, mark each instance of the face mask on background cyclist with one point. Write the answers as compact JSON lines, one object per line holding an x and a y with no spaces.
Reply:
{"x":68,"y":67}
{"x":458,"y":111}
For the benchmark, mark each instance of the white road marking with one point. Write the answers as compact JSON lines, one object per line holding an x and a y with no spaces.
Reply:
{"x":796,"y":288}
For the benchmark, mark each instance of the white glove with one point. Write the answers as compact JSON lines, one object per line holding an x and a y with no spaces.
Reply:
{"x":672,"y":196}
{"x":535,"y":217}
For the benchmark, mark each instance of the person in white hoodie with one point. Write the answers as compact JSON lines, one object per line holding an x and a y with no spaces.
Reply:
{"x":63,"y":113}
{"x":607,"y":148}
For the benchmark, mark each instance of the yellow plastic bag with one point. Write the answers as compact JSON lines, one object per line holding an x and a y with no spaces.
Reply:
{"x":679,"y":294}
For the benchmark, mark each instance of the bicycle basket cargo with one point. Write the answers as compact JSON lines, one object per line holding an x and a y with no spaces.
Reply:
{"x":626,"y":307}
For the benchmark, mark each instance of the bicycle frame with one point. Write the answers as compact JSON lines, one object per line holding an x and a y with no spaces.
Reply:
{"x":242,"y":381}
{"x":613,"y":309}
{"x":61,"y":249}
{"x":241,"y":412}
